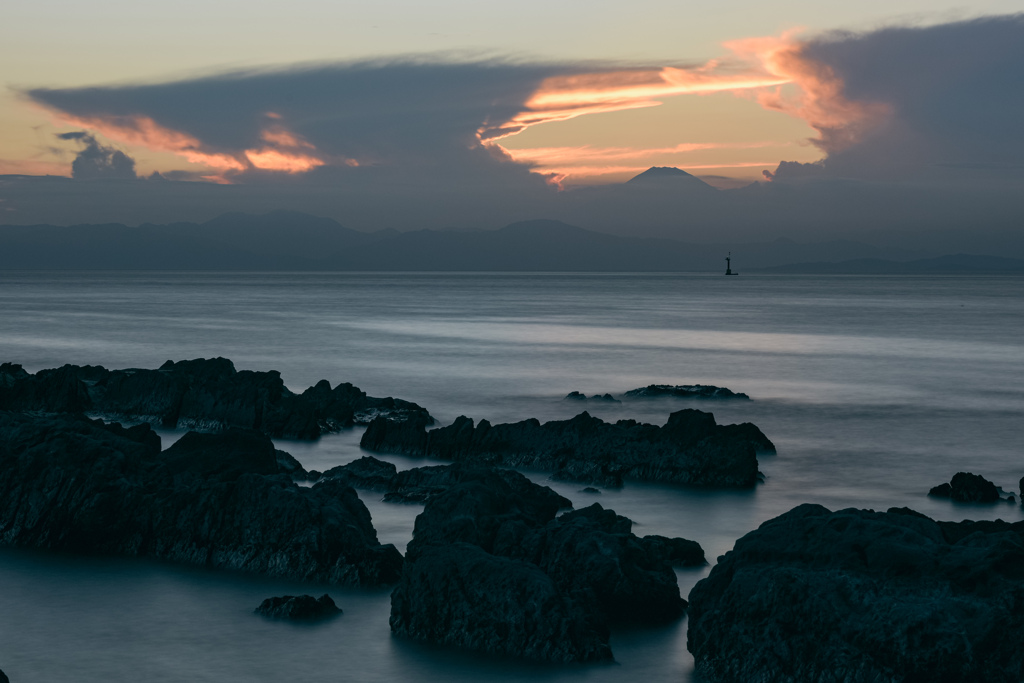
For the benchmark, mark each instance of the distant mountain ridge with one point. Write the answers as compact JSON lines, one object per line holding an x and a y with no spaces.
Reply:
{"x":293,"y":241}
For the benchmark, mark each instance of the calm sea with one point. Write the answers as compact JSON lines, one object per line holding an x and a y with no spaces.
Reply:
{"x":874,"y":389}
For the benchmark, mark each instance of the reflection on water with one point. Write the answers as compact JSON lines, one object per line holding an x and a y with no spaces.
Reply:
{"x":874,"y":389}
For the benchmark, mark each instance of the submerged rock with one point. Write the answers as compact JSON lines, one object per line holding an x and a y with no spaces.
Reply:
{"x":690,"y":449}
{"x":685,"y":391}
{"x":202,"y":395}
{"x":299,"y":608}
{"x":492,"y":568}
{"x":861,"y":596}
{"x":215,"y":500}
{"x":967,"y":488}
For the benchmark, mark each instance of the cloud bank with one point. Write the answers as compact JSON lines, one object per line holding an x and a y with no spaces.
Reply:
{"x":919,"y":129}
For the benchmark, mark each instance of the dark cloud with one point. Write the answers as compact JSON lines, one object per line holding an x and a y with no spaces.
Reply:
{"x":946,"y":156}
{"x":98,"y":162}
{"x":954,"y":92}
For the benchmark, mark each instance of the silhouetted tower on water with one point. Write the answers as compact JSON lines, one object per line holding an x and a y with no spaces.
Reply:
{"x":728,"y":265}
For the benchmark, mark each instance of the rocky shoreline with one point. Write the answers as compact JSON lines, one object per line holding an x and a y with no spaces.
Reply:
{"x":224,"y":501}
{"x":857,"y":596}
{"x":500,"y":564}
{"x":207,"y":395}
{"x":691,"y":448}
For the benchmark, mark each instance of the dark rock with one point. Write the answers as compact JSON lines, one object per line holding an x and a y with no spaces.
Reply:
{"x":678,"y":552}
{"x":577,"y":396}
{"x":216,"y":500}
{"x":299,"y":608}
{"x":202,"y":395}
{"x":685,"y":391}
{"x":967,"y":488}
{"x":4,"y":678}
{"x":690,"y":449}
{"x":418,"y":484}
{"x":1021,"y":486}
{"x":860,"y":596}
{"x":490,"y":567}
{"x":592,"y":555}
{"x":590,"y":489}
{"x":460,"y":595}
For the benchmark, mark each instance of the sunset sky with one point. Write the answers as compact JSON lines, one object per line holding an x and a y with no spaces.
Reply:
{"x":575,"y":93}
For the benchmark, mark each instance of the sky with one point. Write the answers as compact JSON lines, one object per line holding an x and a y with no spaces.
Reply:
{"x":436,"y":104}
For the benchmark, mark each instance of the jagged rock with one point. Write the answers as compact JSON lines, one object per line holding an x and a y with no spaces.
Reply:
{"x":299,"y":608}
{"x":590,"y":489}
{"x":577,"y":396}
{"x":685,"y":391}
{"x":217,"y":500}
{"x":967,"y":488}
{"x":201,"y":394}
{"x":490,"y":567}
{"x":460,"y":595}
{"x":857,"y":596}
{"x":415,"y":485}
{"x":678,"y":552}
{"x":592,"y":555}
{"x":1021,"y":486}
{"x":690,"y":449}
{"x":4,"y":678}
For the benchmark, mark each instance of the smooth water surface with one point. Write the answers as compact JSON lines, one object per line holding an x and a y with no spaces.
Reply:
{"x":874,"y":389}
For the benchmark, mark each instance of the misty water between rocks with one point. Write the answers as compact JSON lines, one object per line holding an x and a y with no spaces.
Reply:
{"x":874,"y":389}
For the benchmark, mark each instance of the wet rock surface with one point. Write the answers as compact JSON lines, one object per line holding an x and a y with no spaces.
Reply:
{"x":685,"y":391}
{"x":967,"y":488}
{"x":202,"y":395}
{"x":492,"y":567}
{"x":689,"y":449}
{"x":216,"y":500}
{"x":857,"y":596}
{"x":299,"y":608}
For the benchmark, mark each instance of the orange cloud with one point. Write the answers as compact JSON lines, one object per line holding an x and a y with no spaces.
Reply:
{"x":756,"y":67}
{"x":821,"y":100}
{"x":281,"y":154}
{"x":268,"y":159}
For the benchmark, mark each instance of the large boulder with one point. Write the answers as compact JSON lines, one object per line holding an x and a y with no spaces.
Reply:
{"x":216,"y":500}
{"x":593,"y":556}
{"x":857,"y":596}
{"x":461,"y":595}
{"x":689,"y":449}
{"x":967,"y":488}
{"x":492,"y":568}
{"x":203,"y":395}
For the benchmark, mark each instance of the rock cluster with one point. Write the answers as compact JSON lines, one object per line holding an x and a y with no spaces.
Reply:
{"x":217,"y":500}
{"x":492,"y":568}
{"x":689,"y":449}
{"x":203,"y":395}
{"x":685,"y":391}
{"x":967,"y":488}
{"x":577,"y":396}
{"x":857,"y":596}
{"x":299,"y":608}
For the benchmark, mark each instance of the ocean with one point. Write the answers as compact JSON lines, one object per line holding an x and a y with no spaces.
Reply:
{"x":873,"y":388}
